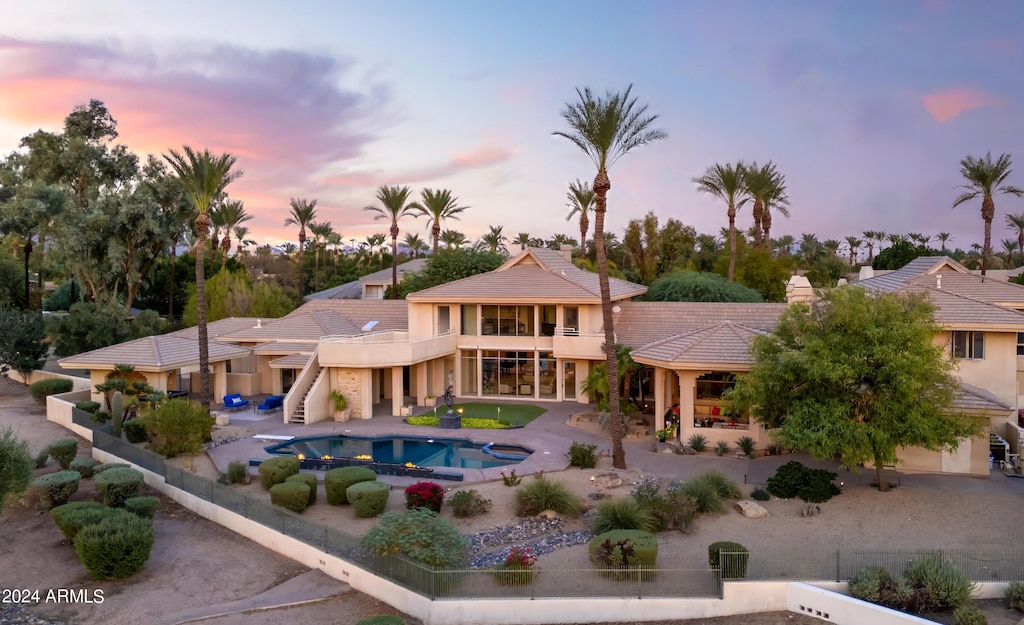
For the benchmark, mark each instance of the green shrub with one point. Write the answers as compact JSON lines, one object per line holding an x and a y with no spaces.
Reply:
{"x":419,"y":534}
{"x":337,"y":481}
{"x":467,"y":503}
{"x":178,"y":426}
{"x":969,"y":614}
{"x":793,"y":479}
{"x":726,"y":488}
{"x":876,"y":585}
{"x":623,"y":513}
{"x":293,"y":496}
{"x":89,"y":406}
{"x":625,"y":549}
{"x":384,"y":619}
{"x":237,"y":472}
{"x":582,"y":455}
{"x":697,"y":442}
{"x":706,"y":495}
{"x":135,"y":431}
{"x":276,"y":470}
{"x":100,"y":468}
{"x":52,"y":386}
{"x":760,"y":494}
{"x":733,"y":563}
{"x":63,"y":450}
{"x":673,"y":510}
{"x":306,"y":478}
{"x":114,"y":486}
{"x":144,"y":506}
{"x":369,"y":498}
{"x":746,"y":445}
{"x":85,"y":466}
{"x":116,"y":547}
{"x":55,"y":488}
{"x":72,"y":517}
{"x":15,"y":465}
{"x":42,"y":457}
{"x":938,"y":584}
{"x":721,"y":448}
{"x":424,"y":495}
{"x":542,"y":494}
{"x":101,"y":416}
{"x":1015,"y":596}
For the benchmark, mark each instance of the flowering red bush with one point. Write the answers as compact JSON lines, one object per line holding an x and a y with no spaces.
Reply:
{"x":424,"y":495}
{"x":517,"y":569}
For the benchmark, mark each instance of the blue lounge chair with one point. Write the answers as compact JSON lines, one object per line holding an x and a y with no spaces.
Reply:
{"x":270,"y":404}
{"x":235,"y":402}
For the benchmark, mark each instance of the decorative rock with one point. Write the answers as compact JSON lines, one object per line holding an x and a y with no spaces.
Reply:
{"x":607,"y":481}
{"x":750,"y":509}
{"x":548,"y":514}
{"x":810,"y":509}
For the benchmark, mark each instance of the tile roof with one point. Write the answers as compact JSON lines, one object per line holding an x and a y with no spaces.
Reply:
{"x":721,"y":343}
{"x":534,"y":275}
{"x":990,"y":290}
{"x":384,"y":275}
{"x":293,"y":361}
{"x":920,"y":266}
{"x":349,"y":290}
{"x":163,"y":352}
{"x":960,"y":311}
{"x":284,"y":347}
{"x":640,"y":323}
{"x":217,"y":328}
{"x":324,"y":317}
{"x":973,"y":397}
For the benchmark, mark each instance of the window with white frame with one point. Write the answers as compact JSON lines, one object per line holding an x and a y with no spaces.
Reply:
{"x":969,"y":345}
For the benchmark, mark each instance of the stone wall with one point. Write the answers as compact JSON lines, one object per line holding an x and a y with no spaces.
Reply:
{"x":349,"y":383}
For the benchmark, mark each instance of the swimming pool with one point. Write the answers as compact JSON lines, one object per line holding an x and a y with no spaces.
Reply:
{"x":456,"y":453}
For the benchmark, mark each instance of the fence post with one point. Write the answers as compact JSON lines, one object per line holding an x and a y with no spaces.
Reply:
{"x":838,"y":555}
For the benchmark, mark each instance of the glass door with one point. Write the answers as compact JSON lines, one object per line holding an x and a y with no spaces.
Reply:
{"x":568,"y":380}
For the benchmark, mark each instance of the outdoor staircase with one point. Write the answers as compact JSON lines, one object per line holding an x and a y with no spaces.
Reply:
{"x":299,"y":414}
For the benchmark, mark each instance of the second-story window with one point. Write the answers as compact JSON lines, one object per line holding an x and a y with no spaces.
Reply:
{"x":1020,"y":343}
{"x":969,"y":345}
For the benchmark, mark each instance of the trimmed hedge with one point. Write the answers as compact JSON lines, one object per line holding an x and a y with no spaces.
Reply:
{"x":135,"y":431}
{"x":42,"y":457}
{"x":337,"y":481}
{"x":115,"y":486}
{"x":384,"y":619}
{"x":63,"y":450}
{"x":735,"y":566}
{"x":143,"y":506}
{"x":89,"y":406}
{"x":368,"y":498}
{"x":100,"y":468}
{"x":85,"y":466}
{"x":55,"y":488}
{"x":116,"y":547}
{"x":293,"y":496}
{"x":276,"y":470}
{"x":72,"y":517}
{"x":52,"y":386}
{"x":307,"y":479}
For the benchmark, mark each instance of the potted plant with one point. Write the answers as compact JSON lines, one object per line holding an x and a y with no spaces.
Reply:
{"x":430,"y":401}
{"x":669,"y":431}
{"x":341,"y":411}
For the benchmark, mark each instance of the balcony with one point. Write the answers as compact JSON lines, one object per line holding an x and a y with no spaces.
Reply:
{"x":571,"y":343}
{"x":383,"y":349}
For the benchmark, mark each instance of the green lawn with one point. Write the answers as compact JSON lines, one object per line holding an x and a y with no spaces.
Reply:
{"x":515,"y":414}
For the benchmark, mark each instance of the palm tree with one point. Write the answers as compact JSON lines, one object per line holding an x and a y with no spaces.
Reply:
{"x":1015,"y":221}
{"x":606,"y":129}
{"x":395,"y":204}
{"x":203,"y":177}
{"x":336,"y":240}
{"x":494,"y":240}
{"x":779,"y":202}
{"x":920,"y":239}
{"x":810,"y":248}
{"x":784,"y":245}
{"x":581,"y":200}
{"x":217,"y":221}
{"x":522,"y":240}
{"x":986,"y":179}
{"x":303,"y":213}
{"x":1009,"y":247}
{"x":232,"y":213}
{"x":871,"y":237}
{"x":288,"y":249}
{"x":438,"y":206}
{"x":854,"y":244}
{"x":376,"y":242}
{"x":415,"y":244}
{"x":558,"y":240}
{"x":765,"y":186}
{"x":944,"y":237}
{"x":453,"y":238}
{"x":320,"y":232}
{"x":241,"y":232}
{"x":726,"y":182}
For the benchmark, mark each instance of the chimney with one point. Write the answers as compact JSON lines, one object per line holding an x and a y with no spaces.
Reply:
{"x":566,"y":252}
{"x":938,"y":280}
{"x":866,"y":272}
{"x":259,"y":323}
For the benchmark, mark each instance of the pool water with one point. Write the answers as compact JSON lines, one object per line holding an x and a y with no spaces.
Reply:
{"x":420,"y":451}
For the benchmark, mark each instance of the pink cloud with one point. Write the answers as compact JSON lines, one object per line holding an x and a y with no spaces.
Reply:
{"x":475,"y":158}
{"x":944,"y":106}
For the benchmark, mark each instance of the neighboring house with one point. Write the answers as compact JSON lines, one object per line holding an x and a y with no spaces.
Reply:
{"x":370,"y":286}
{"x":532,"y":330}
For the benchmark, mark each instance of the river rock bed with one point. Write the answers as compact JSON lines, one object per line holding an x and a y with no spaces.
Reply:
{"x":540,"y":536}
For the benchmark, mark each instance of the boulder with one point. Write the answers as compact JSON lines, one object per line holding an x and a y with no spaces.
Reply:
{"x":607,"y":481}
{"x":750,"y":509}
{"x":548,"y":514}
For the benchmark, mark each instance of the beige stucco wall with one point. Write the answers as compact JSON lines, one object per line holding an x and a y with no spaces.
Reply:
{"x":421,"y":319}
{"x":997,"y":372}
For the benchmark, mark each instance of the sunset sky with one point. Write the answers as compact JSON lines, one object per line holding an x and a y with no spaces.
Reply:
{"x":867,"y":107}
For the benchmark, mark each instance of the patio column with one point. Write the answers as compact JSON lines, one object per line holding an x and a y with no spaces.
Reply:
{"x":397,"y":392}
{"x":687,"y":393}
{"x":419,"y":376}
{"x":220,"y":375}
{"x":365,"y":399}
{"x":659,"y":398}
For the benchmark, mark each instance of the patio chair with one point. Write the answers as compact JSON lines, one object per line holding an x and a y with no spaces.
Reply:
{"x":235,"y":402}
{"x":270,"y":404}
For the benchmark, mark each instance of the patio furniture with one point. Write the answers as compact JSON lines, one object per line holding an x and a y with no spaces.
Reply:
{"x":271,"y":404}
{"x":235,"y":402}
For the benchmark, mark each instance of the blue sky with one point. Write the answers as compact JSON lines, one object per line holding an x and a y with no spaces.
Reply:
{"x":867,"y":107}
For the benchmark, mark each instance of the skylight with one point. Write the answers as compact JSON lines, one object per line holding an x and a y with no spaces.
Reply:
{"x":370,"y":325}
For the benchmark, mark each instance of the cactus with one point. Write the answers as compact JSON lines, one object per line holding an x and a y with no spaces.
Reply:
{"x":117,"y":409}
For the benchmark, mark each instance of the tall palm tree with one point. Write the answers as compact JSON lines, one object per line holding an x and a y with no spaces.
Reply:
{"x":303,"y":213}
{"x":726,"y":182}
{"x":607,"y":128}
{"x":871,"y":237}
{"x":811,"y":249}
{"x":376,"y":242}
{"x":777,"y":201}
{"x":581,"y":201}
{"x":395,"y":204}
{"x":854,"y":244}
{"x":784,"y":245}
{"x":453,"y":238}
{"x":288,"y":249}
{"x":986,"y":179}
{"x":766,"y":187}
{"x":494,"y":240}
{"x":241,"y":234}
{"x":232,"y":214}
{"x":1015,"y":221}
{"x":415,"y":244}
{"x":945,"y":237}
{"x":320,"y":232}
{"x":918,"y":238}
{"x":1009,"y":247}
{"x":438,"y":206}
{"x":558,"y":240}
{"x":203,"y":177}
{"x":523,"y":240}
{"x":336,"y":240}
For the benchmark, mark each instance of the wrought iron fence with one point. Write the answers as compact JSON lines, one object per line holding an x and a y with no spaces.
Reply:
{"x":104,"y":440}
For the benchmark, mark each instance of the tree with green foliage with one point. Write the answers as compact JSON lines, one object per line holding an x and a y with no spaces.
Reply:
{"x":232,"y":294}
{"x":394,"y":204}
{"x":15,"y":465}
{"x":438,"y":206}
{"x":581,"y":202}
{"x":855,"y":376}
{"x":900,"y":253}
{"x":22,"y":341}
{"x":92,"y":325}
{"x":986,"y":178}
{"x":758,"y":269}
{"x":450,"y":265}
{"x":692,"y":286}
{"x":726,"y":182}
